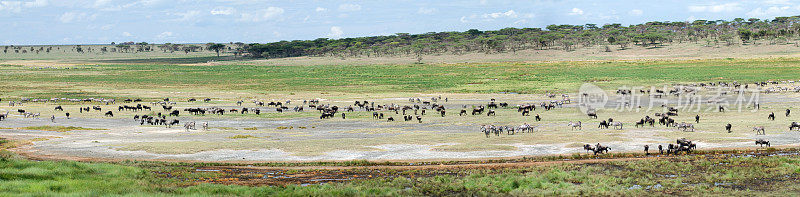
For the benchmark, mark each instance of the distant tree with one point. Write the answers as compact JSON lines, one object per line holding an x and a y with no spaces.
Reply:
{"x":611,"y":40}
{"x":216,"y":48}
{"x":745,"y":34}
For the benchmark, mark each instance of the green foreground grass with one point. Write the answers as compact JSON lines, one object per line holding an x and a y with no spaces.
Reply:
{"x":685,"y":175}
{"x":113,"y":80}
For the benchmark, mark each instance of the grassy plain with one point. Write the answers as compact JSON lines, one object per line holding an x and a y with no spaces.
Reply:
{"x":238,"y":81}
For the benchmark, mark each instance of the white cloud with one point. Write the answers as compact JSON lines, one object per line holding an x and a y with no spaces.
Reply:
{"x":12,"y":6}
{"x":107,"y":27}
{"x":16,"y":6}
{"x":223,"y":11}
{"x":464,"y":19}
{"x":349,"y":7}
{"x":192,"y":15}
{"x":321,"y":9}
{"x":715,"y":8}
{"x":336,"y":32}
{"x":36,"y":3}
{"x":507,"y":14}
{"x":126,"y":34}
{"x":165,"y":35}
{"x":270,"y":13}
{"x":576,"y":11}
{"x":424,"y":10}
{"x":69,"y":17}
{"x":778,"y":2}
{"x":636,"y":12}
{"x":772,"y":11}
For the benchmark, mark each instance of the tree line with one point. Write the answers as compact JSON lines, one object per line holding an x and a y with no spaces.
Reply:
{"x":553,"y":37}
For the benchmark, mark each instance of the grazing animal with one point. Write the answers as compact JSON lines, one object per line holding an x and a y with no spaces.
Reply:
{"x":463,"y":112}
{"x":538,"y":118}
{"x":660,"y":149}
{"x":762,"y":142}
{"x":490,"y":113}
{"x":205,"y":124}
{"x":575,"y":125}
{"x":788,"y":112}
{"x":771,"y":116}
{"x":793,"y":126}
{"x":646,"y":149}
{"x":603,"y":125}
{"x":174,"y":122}
{"x":697,"y":119}
{"x":189,"y":125}
{"x":419,"y":118}
{"x":617,"y":125}
{"x":728,"y":127}
{"x":390,"y":119}
{"x":592,"y":115}
{"x":601,"y":149}
{"x":588,"y":148}
{"x":59,"y":108}
{"x":686,"y":126}
{"x":759,"y":130}
{"x":109,"y":114}
{"x":640,"y":123}
{"x":3,"y":116}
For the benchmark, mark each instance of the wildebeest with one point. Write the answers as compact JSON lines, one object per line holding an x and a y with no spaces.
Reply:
{"x":477,"y":111}
{"x":592,"y":115}
{"x":173,"y":123}
{"x":537,"y":118}
{"x":788,"y":112}
{"x":390,"y":119}
{"x":762,"y":142}
{"x":588,"y":148}
{"x":601,"y":149}
{"x":646,"y":149}
{"x":174,"y":113}
{"x":109,"y":114}
{"x":490,"y":113}
{"x":759,"y":130}
{"x":603,"y":125}
{"x":463,"y":112}
{"x":59,"y":108}
{"x":771,"y":116}
{"x":640,"y":123}
{"x":793,"y":126}
{"x":728,"y":127}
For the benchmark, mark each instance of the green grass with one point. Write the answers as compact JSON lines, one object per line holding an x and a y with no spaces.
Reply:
{"x":57,"y":128}
{"x":688,"y":175}
{"x":457,"y":78}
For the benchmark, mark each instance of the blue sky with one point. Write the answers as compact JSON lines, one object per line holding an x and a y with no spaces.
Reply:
{"x":200,"y":21}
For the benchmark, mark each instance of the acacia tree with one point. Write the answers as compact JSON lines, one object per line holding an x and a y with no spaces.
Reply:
{"x":216,"y":48}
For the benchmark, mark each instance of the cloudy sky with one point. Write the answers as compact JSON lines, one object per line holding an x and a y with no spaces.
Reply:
{"x":200,"y":21}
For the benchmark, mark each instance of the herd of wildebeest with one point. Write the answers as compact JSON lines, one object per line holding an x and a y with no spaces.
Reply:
{"x":416,"y":108}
